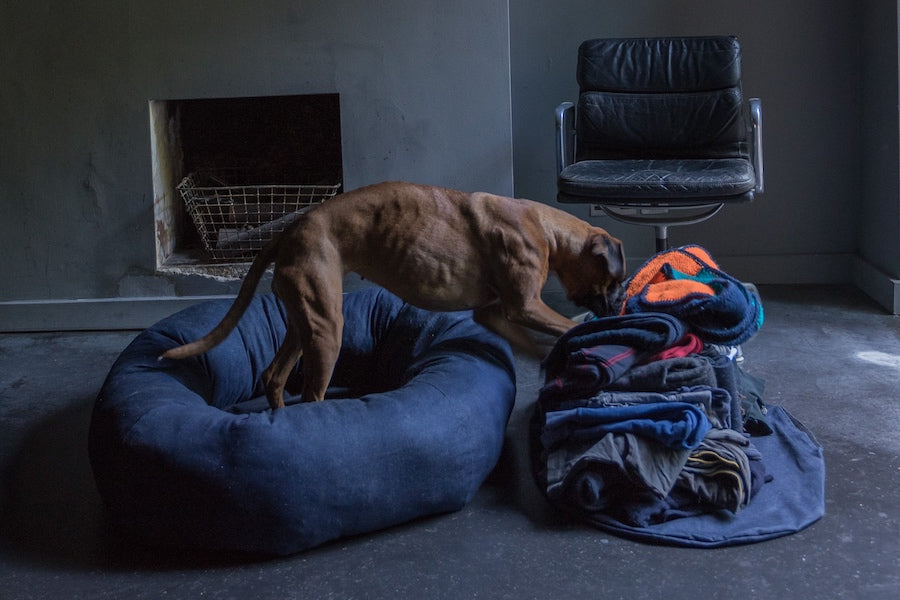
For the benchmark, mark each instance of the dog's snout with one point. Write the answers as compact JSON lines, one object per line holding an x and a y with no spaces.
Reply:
{"x":600,"y":306}
{"x":605,"y":303}
{"x":615,"y":296}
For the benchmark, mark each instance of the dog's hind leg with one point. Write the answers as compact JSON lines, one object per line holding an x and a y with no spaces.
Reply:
{"x":276,"y":374}
{"x":321,"y":348}
{"x":313,"y":302}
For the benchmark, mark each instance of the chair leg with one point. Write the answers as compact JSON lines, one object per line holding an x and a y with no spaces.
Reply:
{"x":662,"y":238}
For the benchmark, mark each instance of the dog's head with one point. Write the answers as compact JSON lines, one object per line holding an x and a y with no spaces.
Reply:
{"x":595,"y":281}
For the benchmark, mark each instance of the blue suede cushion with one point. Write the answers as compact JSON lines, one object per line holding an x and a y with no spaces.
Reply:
{"x":186,"y":452}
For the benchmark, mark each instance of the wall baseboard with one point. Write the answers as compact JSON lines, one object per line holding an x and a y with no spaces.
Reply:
{"x":876,"y":284}
{"x":789,"y":269}
{"x":139,"y":313}
{"x":91,"y":314}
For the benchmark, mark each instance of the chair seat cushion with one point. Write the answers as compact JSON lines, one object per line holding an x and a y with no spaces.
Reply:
{"x":677,"y":181}
{"x":187,"y":453}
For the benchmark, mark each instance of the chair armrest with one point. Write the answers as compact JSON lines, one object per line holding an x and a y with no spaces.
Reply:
{"x":756,"y":123}
{"x":565,"y":136}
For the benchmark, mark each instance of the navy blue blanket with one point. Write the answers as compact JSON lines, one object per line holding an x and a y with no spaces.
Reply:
{"x":594,"y":354}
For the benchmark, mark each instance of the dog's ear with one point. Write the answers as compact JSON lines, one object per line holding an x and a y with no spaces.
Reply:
{"x":610,"y":249}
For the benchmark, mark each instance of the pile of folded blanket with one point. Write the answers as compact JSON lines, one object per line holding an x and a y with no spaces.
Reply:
{"x":645,"y":416}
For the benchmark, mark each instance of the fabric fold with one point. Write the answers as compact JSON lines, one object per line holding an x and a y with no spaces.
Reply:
{"x":592,"y":355}
{"x":668,"y":375}
{"x":671,"y":424}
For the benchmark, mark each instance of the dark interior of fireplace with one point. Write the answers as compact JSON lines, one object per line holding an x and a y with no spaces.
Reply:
{"x":257,"y":141}
{"x":264,"y":140}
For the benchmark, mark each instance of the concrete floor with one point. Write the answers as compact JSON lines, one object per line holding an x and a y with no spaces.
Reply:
{"x":829,"y":355}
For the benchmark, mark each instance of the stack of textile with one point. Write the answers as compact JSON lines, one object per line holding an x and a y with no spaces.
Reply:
{"x":645,"y":417}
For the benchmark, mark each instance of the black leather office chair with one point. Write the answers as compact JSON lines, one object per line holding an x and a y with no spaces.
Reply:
{"x":660,"y":134}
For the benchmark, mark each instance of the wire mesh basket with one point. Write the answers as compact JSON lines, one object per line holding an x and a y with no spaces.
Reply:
{"x":236,"y":221}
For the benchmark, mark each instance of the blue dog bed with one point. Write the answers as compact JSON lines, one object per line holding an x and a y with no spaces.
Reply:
{"x":187,"y":452}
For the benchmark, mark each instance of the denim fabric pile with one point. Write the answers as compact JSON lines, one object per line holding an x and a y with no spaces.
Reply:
{"x":646,"y":417}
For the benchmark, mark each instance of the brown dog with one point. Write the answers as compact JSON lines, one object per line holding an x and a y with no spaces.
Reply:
{"x":438,"y":249}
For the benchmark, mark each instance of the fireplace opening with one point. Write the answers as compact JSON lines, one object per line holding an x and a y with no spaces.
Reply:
{"x":228,"y":173}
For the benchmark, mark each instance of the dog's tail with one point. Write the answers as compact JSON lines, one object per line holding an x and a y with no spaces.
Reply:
{"x":231,"y":318}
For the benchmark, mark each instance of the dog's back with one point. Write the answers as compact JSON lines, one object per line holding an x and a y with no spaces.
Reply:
{"x":439,"y":249}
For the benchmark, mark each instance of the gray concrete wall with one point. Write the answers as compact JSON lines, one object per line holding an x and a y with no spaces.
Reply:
{"x":458,"y":94}
{"x":877,"y":268}
{"x":424,"y":89}
{"x":827,"y":76}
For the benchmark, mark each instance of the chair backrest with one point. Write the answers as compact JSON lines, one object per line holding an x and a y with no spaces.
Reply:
{"x":660,"y":98}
